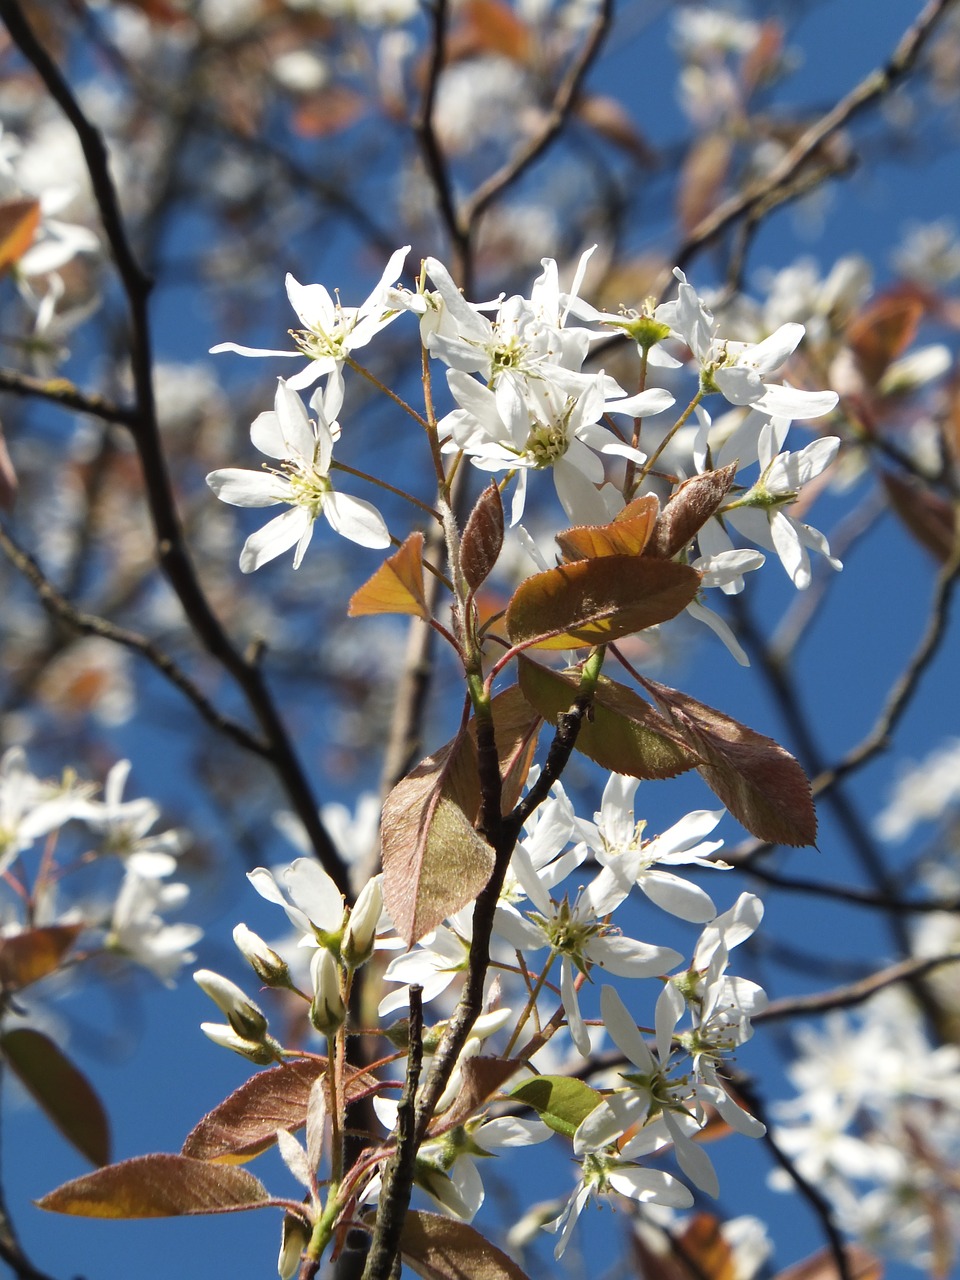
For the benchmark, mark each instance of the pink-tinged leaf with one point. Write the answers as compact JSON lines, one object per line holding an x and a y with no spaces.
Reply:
{"x":689,"y":510}
{"x":861,"y":1265}
{"x":884,"y":329}
{"x":927,"y":516}
{"x":482,"y":538}
{"x":19,"y":220}
{"x":592,"y":602}
{"x":157,"y":1186}
{"x":397,"y":586}
{"x":702,"y":1245}
{"x":624,"y":733}
{"x":246,"y":1123}
{"x":442,"y":1249}
{"x":759,"y":782}
{"x":8,"y":476}
{"x":626,"y":537}
{"x":434,"y":861}
{"x":60,"y":1090}
{"x":33,"y":954}
{"x":494,"y":27}
{"x":608,"y":118}
{"x":516,"y":727}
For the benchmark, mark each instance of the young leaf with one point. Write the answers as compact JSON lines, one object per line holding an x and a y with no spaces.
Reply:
{"x":246,"y":1123}
{"x":928,"y":517}
{"x":482,"y":1078}
{"x":624,"y":733}
{"x":434,"y":862}
{"x":591,"y":602}
{"x":157,"y":1186}
{"x":861,"y":1265}
{"x":397,"y":586}
{"x":689,"y":510}
{"x":562,"y":1102}
{"x":482,"y":538}
{"x":60,"y":1090}
{"x":760,"y":783}
{"x":29,"y":956}
{"x":19,"y":220}
{"x":622,"y":537}
{"x":442,"y":1249}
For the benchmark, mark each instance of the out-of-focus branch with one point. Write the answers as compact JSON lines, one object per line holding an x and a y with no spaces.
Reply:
{"x":563,"y":102}
{"x":778,"y":184}
{"x":855,"y":992}
{"x":171,"y":546}
{"x":62,"y":392}
{"x":92,"y":625}
{"x":878,"y":738}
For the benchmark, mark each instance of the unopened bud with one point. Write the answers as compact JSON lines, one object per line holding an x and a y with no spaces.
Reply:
{"x":269,"y":967}
{"x":244,"y":1016}
{"x":294,"y":1239}
{"x":327,"y":1010}
{"x":361,"y":931}
{"x":262,"y":1052}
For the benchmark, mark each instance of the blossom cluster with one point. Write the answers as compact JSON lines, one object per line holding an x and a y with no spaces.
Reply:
{"x":673,"y":1077}
{"x":71,"y":834}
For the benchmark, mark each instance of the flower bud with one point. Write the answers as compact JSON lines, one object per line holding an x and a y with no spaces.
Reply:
{"x":327,"y":1011}
{"x":294,"y":1239}
{"x":262,"y":1052}
{"x":361,"y":931}
{"x":244,"y":1016}
{"x":269,"y":967}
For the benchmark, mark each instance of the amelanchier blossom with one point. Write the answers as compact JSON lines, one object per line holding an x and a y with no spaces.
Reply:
{"x":124,"y":828}
{"x":304,"y":450}
{"x":331,"y":331}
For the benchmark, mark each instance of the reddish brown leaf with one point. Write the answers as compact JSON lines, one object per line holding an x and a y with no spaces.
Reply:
{"x":928,"y":517}
{"x":516,"y":727}
{"x":689,"y":510}
{"x":702,"y":1247}
{"x":622,"y":537}
{"x":441,"y":1249}
{"x":495,"y":28}
{"x":762,"y":62}
{"x":861,"y":1265}
{"x":702,"y":177}
{"x":884,"y":329}
{"x":608,"y":117}
{"x":19,"y":220}
{"x":29,"y":956}
{"x":329,"y":112}
{"x":397,"y":586}
{"x":482,"y":538}
{"x":434,"y":861}
{"x":8,"y":476}
{"x":246,"y":1123}
{"x":624,"y":734}
{"x":60,"y":1090}
{"x":591,"y":602}
{"x":760,"y":783}
{"x":482,"y":1078}
{"x":157,"y":1186}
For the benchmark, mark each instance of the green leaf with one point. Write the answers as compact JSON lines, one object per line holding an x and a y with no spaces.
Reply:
{"x":63,"y":1094}
{"x":624,"y":733}
{"x":590,"y":602}
{"x":434,"y":861}
{"x":158,"y":1186}
{"x":444,"y":1249}
{"x":562,"y":1102}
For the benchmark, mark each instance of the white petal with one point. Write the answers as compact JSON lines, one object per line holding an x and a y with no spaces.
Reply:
{"x":651,"y":1185}
{"x":628,"y":958}
{"x":677,"y":896}
{"x":313,"y":305}
{"x":279,"y":535}
{"x":243,"y":488}
{"x":568,"y":994}
{"x":293,"y":422}
{"x":251,"y":351}
{"x":315,"y":893}
{"x":623,"y":1030}
{"x":357,"y":520}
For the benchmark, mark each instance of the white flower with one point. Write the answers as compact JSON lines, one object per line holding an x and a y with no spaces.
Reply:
{"x":330,"y":331}
{"x":138,"y":931}
{"x":433,"y":964}
{"x":535,"y":425}
{"x":304,"y":450}
{"x":315,"y":904}
{"x":738,"y":369}
{"x":617,"y":841}
{"x":123,"y":826}
{"x":580,"y":936}
{"x":29,"y":808}
{"x":760,"y":513}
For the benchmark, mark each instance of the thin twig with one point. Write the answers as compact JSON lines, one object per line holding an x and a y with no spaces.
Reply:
{"x":874,"y":86}
{"x":853,"y":993}
{"x":60,"y":608}
{"x":62,"y":392}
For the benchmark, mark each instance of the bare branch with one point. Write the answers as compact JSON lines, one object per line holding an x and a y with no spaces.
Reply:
{"x":855,"y":992}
